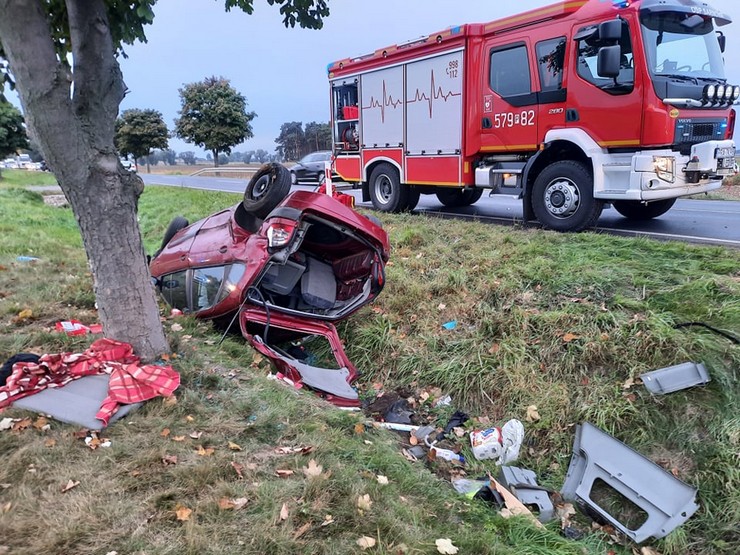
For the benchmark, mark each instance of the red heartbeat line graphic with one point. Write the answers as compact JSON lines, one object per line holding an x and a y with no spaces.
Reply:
{"x":386,"y":102}
{"x":434,"y":94}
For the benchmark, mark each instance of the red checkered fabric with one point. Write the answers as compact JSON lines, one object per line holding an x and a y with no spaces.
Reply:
{"x":129,"y":382}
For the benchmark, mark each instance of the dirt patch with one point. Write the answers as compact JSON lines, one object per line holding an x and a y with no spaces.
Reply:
{"x":56,"y":200}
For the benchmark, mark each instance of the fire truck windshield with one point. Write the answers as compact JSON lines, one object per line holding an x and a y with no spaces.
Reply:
{"x":681,"y":45}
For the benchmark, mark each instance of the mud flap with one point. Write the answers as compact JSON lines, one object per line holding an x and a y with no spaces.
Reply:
{"x":334,"y":385}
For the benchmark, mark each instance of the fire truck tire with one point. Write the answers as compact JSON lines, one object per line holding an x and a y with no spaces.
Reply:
{"x":459,"y":197}
{"x":562,"y":197}
{"x":635,"y":210}
{"x":413,"y":199}
{"x":175,"y":225}
{"x":266,"y":189}
{"x":386,"y":191}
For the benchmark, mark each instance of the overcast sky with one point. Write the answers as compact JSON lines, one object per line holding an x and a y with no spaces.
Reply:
{"x":282,"y":72}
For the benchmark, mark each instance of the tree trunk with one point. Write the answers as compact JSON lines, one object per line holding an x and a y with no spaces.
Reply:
{"x":75,"y":134}
{"x":215,"y":158}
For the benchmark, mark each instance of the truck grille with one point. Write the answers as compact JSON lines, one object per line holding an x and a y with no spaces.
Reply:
{"x":689,"y":133}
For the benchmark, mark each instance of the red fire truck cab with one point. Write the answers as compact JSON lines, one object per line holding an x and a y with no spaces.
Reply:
{"x":568,"y":107}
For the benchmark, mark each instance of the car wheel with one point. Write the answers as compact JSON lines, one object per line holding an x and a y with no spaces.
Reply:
{"x":562,"y":197}
{"x":293,"y":178}
{"x":636,"y":210}
{"x":459,"y":197}
{"x":386,"y":191}
{"x":269,"y":186}
{"x":176,"y":225}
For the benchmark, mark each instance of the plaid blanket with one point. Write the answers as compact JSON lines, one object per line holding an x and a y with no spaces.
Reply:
{"x":130,"y":382}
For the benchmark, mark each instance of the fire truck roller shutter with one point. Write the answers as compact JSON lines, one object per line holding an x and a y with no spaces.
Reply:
{"x":562,"y":197}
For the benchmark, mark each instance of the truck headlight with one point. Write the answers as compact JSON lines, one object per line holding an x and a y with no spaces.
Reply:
{"x":736,"y":92}
{"x":665,"y":168}
{"x":709,"y":92}
{"x":720,"y":93}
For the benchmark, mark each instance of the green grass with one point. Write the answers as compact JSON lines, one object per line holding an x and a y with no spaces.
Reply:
{"x":24,"y":178}
{"x":556,"y":321}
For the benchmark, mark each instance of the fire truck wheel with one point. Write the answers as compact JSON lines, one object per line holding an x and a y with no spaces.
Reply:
{"x":635,"y":210}
{"x":266,"y":189}
{"x":386,"y":191}
{"x":562,"y":197}
{"x":459,"y":197}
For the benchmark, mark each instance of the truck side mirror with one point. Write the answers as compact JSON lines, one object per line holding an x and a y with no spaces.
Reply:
{"x":607,"y":62}
{"x":610,"y":30}
{"x":722,"y":40}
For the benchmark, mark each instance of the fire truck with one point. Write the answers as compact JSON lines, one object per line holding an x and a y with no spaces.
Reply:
{"x":570,"y":107}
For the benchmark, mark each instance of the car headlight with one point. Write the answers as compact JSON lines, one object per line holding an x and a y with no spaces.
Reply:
{"x":665,"y":168}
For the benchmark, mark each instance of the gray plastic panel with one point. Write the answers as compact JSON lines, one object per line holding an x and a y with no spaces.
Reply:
{"x":76,"y":403}
{"x":517,"y":479}
{"x":325,"y":379}
{"x":668,"y":501}
{"x":675,"y":378}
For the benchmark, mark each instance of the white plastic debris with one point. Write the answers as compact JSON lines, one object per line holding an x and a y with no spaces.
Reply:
{"x":500,"y":444}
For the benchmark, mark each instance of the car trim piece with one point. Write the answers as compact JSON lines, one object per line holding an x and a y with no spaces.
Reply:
{"x":675,"y":378}
{"x":667,"y":501}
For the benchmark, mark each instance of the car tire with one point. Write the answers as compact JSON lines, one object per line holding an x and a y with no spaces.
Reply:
{"x":175,"y":225}
{"x":636,"y":210}
{"x":455,"y":198}
{"x":267,"y":188}
{"x":563,"y":199}
{"x":386,"y":192}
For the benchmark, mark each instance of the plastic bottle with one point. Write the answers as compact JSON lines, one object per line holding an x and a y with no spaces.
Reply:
{"x":447,"y":455}
{"x":26,"y":259}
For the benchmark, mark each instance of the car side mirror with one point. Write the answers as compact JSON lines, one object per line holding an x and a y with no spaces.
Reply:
{"x":607,"y":62}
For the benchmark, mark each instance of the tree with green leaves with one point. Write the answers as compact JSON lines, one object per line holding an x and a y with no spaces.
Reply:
{"x":188,"y":157}
{"x":317,"y":136}
{"x":76,"y":135}
{"x":291,"y":140}
{"x":12,"y":130}
{"x":139,"y":132}
{"x":213,"y":116}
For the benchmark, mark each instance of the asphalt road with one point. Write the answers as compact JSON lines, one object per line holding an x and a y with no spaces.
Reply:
{"x":697,"y":221}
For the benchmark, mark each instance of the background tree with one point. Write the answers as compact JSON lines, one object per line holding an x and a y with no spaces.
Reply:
{"x":317,"y":136}
{"x":214,"y":116}
{"x":169,"y":156}
{"x":188,"y":158}
{"x":75,"y":133}
{"x":261,"y":155}
{"x":12,"y":131}
{"x":291,"y":140}
{"x":248,"y":157}
{"x":139,"y":132}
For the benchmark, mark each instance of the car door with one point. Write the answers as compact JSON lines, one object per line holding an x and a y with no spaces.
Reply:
{"x":297,"y":365}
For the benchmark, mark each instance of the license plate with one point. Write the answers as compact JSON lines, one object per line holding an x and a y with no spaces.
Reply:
{"x":725,"y":163}
{"x":725,"y":152}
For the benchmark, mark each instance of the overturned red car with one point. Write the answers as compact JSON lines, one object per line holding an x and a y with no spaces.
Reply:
{"x":287,"y":266}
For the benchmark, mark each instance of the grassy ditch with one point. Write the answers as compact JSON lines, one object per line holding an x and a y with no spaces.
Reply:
{"x":565,"y":323}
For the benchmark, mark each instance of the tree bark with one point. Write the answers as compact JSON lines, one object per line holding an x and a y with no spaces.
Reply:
{"x":75,"y":128}
{"x":215,"y":158}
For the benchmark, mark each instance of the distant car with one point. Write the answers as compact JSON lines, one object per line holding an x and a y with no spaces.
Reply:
{"x":311,"y":167}
{"x":286,"y":268}
{"x":129,"y":165}
{"x":10,"y":164}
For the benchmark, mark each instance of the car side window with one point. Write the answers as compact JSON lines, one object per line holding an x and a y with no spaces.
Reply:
{"x":509,"y":71}
{"x":550,"y":60}
{"x":206,"y":285}
{"x":174,"y":290}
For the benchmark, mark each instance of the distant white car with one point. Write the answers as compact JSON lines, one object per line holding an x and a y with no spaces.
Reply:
{"x":129,"y":165}
{"x":10,"y":164}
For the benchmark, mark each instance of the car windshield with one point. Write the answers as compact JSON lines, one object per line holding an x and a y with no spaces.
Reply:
{"x":315,"y":157}
{"x":681,"y":45}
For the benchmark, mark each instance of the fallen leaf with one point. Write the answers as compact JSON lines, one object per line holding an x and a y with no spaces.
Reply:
{"x":313,"y":469}
{"x":40,"y":423}
{"x":568,"y":337}
{"x":366,"y":542}
{"x":189,"y":418}
{"x":205,"y":452}
{"x":170,"y":401}
{"x":444,"y":545}
{"x":364,"y":502}
{"x":165,"y":432}
{"x":283,"y":473}
{"x":441,"y":306}
{"x":238,"y":469}
{"x":176,"y":327}
{"x":408,"y":455}
{"x":225,"y":504}
{"x":7,"y":506}
{"x":239,"y":502}
{"x":564,"y":512}
{"x":328,"y":519}
{"x":24,"y":314}
{"x":495,"y":348}
{"x":302,"y":530}
{"x":359,"y":428}
{"x":71,"y":484}
{"x":196,"y":435}
{"x":182,"y":512}
{"x":284,"y":512}
{"x":51,"y":442}
{"x":178,"y":438}
{"x":532,"y":414}
{"x":234,"y":447}
{"x":22,"y":424}
{"x":629,"y":382}
{"x":648,"y":551}
{"x":382,"y":480}
{"x":169,"y":460}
